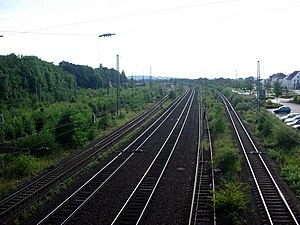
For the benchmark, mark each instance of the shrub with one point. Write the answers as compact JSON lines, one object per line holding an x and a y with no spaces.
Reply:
{"x":286,"y":137}
{"x":172,"y":95}
{"x":218,"y":121}
{"x":231,"y":200}
{"x":296,"y":99}
{"x":22,"y":165}
{"x":227,"y":159}
{"x":291,"y":173}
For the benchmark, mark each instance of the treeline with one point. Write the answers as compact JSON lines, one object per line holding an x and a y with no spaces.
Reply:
{"x":48,"y":111}
{"x":87,"y":77}
{"x":28,"y":80}
{"x":47,"y":107}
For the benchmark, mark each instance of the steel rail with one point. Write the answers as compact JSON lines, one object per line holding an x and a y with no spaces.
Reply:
{"x":152,"y":187}
{"x":163,"y":117}
{"x":227,"y":103}
{"x":14,"y":200}
{"x":23,"y":198}
{"x":201,"y":170}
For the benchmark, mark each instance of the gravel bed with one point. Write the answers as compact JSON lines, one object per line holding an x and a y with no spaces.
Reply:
{"x":171,"y":201}
{"x":252,"y":215}
{"x":109,"y":200}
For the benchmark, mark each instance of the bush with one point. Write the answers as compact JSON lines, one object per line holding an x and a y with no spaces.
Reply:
{"x":172,"y":95}
{"x":218,"y":121}
{"x":286,"y":137}
{"x":296,"y":99}
{"x":231,"y":200}
{"x":271,"y":105}
{"x":228,"y":160}
{"x":291,"y":173}
{"x":265,"y":124}
{"x":23,"y":165}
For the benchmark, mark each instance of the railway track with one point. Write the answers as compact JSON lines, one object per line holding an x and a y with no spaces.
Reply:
{"x":65,"y":211}
{"x":26,"y":196}
{"x":135,"y":206}
{"x":274,"y":208}
{"x":202,"y":210}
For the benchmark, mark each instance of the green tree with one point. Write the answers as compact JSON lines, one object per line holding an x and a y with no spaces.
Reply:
{"x":268,"y":87}
{"x":3,"y":86}
{"x":65,"y":129}
{"x":277,"y":89}
{"x":248,"y":85}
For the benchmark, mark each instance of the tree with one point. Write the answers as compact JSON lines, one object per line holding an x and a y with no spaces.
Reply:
{"x":268,"y":87}
{"x":64,"y":130}
{"x":277,"y":89}
{"x":286,"y":90}
{"x":3,"y":86}
{"x":248,"y":85}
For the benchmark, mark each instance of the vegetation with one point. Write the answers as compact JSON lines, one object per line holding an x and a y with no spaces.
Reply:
{"x":280,"y":140}
{"x":231,"y":200}
{"x":277,"y":89}
{"x":47,"y":111}
{"x":231,"y":196}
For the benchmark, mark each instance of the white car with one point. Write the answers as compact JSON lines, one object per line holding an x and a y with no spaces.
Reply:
{"x":297,"y":126}
{"x":291,"y":115}
{"x":295,"y":122}
{"x":292,"y":119}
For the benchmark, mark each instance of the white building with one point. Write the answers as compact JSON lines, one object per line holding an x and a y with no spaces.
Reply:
{"x":277,"y":77}
{"x":292,"y":81}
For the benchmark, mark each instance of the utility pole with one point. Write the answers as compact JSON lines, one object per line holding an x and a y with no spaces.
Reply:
{"x":101,"y":36}
{"x":258,"y":86}
{"x":36,"y":90}
{"x":2,"y":129}
{"x":93,"y":123}
{"x":118,"y":84}
{"x":236,"y":79}
{"x":150,"y":83}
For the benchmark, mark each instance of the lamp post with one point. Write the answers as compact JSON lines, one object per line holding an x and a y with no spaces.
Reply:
{"x":118,"y":84}
{"x":100,"y":36}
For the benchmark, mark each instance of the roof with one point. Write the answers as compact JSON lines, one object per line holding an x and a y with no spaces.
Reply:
{"x":278,"y":76}
{"x":292,"y":75}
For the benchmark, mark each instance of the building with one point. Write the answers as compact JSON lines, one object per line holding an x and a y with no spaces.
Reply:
{"x":277,"y":77}
{"x":292,"y":81}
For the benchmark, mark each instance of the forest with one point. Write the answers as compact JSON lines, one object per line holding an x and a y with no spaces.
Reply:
{"x":46,"y":109}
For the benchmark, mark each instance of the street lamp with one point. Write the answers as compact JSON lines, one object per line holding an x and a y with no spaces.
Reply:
{"x":104,"y":35}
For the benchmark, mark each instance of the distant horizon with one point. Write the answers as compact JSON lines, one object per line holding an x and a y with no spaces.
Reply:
{"x":158,"y":76}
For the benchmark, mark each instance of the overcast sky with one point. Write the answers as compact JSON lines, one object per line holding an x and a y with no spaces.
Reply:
{"x":181,"y":38}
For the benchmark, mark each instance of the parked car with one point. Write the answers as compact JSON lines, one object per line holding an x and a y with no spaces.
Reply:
{"x":297,"y":126}
{"x":295,"y":122}
{"x":282,"y":109}
{"x":291,"y":115}
{"x":292,"y":119}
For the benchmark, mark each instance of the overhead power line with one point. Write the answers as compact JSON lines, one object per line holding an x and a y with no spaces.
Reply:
{"x":36,"y":31}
